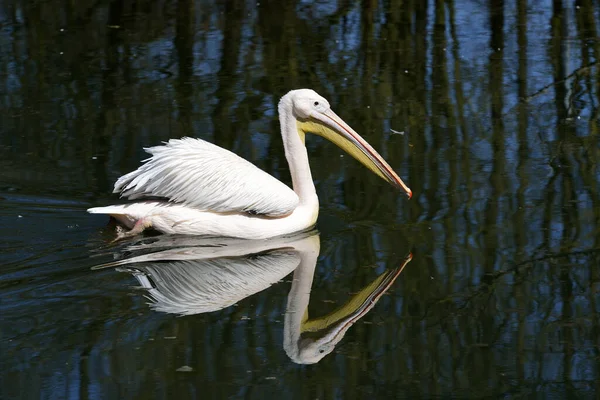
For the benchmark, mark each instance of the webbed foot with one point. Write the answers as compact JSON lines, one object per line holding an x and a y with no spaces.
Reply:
{"x":139,"y":227}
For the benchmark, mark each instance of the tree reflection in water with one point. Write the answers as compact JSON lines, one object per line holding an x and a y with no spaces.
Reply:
{"x":499,"y":102}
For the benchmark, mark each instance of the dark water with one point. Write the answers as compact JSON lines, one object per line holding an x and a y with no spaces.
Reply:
{"x":499,"y":103}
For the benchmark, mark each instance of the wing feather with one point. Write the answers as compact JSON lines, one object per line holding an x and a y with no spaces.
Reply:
{"x":205,"y":176}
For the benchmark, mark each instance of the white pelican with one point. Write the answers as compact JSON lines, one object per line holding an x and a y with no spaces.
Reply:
{"x":203,"y":189}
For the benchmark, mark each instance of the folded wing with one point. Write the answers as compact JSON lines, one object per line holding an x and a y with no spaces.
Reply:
{"x":205,"y":176}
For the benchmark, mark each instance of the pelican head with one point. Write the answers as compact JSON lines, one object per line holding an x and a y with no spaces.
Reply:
{"x":314,"y":115}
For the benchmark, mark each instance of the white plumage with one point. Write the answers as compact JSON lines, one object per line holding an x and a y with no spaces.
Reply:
{"x":215,"y":179}
{"x":203,"y":189}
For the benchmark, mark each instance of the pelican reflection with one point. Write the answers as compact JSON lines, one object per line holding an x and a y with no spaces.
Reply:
{"x":193,"y":275}
{"x":307,"y":341}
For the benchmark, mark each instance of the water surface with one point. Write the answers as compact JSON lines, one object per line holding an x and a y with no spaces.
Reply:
{"x":498,"y":105}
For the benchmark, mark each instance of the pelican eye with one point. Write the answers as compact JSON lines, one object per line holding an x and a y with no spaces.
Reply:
{"x":316,"y":103}
{"x":321,"y":351}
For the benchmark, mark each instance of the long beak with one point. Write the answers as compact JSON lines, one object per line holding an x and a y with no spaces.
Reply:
{"x":328,"y":125}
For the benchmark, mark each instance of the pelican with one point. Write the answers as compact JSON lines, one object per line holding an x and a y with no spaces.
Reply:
{"x":192,"y":187}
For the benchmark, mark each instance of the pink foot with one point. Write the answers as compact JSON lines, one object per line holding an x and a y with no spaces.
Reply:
{"x":139,"y":227}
